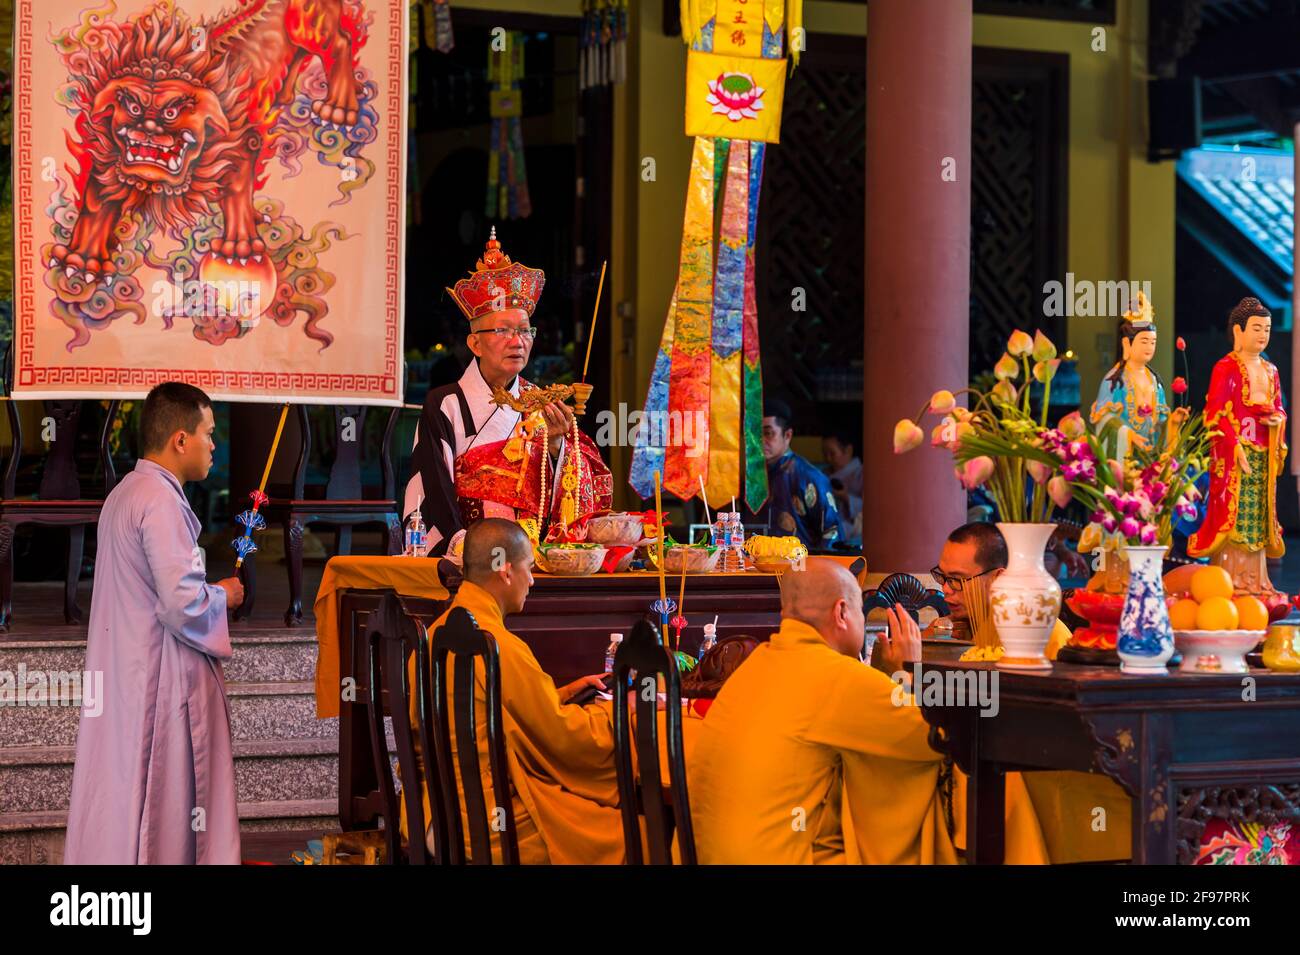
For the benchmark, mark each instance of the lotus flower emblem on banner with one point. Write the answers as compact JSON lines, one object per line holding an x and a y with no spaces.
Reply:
{"x":736,"y":96}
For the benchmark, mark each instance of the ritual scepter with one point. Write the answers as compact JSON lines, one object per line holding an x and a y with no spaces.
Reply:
{"x":252,"y":520}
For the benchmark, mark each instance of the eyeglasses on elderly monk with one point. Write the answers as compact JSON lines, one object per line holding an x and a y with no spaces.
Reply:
{"x":505,"y":333}
{"x":955,"y":580}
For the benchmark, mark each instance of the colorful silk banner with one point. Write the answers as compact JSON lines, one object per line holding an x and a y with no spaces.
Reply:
{"x":211,"y":195}
{"x":703,"y":408}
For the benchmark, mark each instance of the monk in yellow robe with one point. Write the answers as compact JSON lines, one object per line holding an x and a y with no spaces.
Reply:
{"x":1051,"y":816}
{"x":560,"y":755}
{"x":804,"y":756}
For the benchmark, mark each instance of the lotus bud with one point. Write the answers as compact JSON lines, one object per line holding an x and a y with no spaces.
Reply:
{"x":976,"y":471}
{"x":1058,"y":489}
{"x":1020,"y":344}
{"x":907,"y":436}
{"x":1044,"y":350}
{"x":1007,"y":368}
{"x":1073,"y":426}
{"x":1039,"y":471}
{"x":942,"y":402}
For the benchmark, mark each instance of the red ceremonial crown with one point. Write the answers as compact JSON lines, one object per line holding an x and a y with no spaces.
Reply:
{"x":497,"y":284}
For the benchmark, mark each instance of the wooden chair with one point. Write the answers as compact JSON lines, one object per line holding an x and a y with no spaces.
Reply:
{"x":906,"y":590}
{"x":393,"y":638}
{"x":58,"y":501}
{"x":641,"y":792}
{"x":460,"y":637}
{"x":342,"y":506}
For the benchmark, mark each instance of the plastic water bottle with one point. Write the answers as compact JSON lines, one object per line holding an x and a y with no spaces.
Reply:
{"x":738,"y":540}
{"x":710,"y":639}
{"x":614,"y":640}
{"x":726,"y":560}
{"x":416,"y":539}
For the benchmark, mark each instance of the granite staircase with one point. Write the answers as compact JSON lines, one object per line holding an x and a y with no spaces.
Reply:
{"x":286,"y":760}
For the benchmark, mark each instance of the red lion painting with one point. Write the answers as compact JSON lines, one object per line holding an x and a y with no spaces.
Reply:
{"x":175,"y":121}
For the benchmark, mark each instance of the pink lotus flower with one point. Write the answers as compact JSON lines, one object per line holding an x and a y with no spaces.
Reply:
{"x":1058,"y":489}
{"x":1117,"y":470}
{"x":1039,"y":471}
{"x":1073,"y":426}
{"x":942,"y":402}
{"x":1007,"y":368}
{"x":1044,"y":350}
{"x":907,"y":436}
{"x":1019,"y":344}
{"x":1180,"y":385}
{"x":976,"y":471}
{"x":1130,"y":527}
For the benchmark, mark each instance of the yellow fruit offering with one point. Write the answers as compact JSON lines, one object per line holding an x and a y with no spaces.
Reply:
{"x":1217,"y":613}
{"x":1211,"y":582}
{"x":1182,"y":615}
{"x":1251,"y":613}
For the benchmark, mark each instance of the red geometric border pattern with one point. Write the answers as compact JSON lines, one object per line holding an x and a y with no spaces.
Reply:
{"x":343,"y":386}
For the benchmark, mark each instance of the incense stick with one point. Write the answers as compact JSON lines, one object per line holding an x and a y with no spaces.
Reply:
{"x":591,"y":333}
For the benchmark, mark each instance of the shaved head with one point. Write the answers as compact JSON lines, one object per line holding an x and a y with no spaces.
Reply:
{"x":826,"y":597}
{"x":491,"y":544}
{"x":809,"y":595}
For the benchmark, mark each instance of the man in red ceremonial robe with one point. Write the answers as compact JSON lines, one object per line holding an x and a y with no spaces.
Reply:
{"x":474,"y":458}
{"x":1244,"y":404}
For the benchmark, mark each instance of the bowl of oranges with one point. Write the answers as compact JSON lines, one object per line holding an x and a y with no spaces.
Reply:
{"x":1213,"y":628}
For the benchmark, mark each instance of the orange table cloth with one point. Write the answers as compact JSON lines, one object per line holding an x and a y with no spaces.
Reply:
{"x":410,"y":576}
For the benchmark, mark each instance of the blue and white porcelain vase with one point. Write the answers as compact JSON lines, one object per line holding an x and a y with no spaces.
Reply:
{"x":1146,"y":640}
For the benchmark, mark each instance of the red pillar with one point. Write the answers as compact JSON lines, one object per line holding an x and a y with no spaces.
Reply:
{"x":917,"y":268}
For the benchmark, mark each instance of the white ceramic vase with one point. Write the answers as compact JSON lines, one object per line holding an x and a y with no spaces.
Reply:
{"x":1025,"y":599}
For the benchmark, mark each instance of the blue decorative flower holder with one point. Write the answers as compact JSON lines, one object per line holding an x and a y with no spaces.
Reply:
{"x":1146,"y":640}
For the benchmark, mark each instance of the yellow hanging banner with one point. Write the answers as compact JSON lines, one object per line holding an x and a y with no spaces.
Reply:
{"x":738,"y":29}
{"x":734,"y":97}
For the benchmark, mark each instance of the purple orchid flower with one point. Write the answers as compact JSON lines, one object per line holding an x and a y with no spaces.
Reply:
{"x":1130,"y":527}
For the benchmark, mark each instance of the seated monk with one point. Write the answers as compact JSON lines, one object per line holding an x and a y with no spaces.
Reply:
{"x":804,"y":756}
{"x":1051,"y":816}
{"x":560,"y":755}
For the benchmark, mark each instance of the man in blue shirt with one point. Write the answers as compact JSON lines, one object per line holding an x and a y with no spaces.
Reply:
{"x":800,"y":500}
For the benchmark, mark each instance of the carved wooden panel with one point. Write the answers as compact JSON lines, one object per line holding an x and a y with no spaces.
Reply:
{"x":1267,"y":805}
{"x":811,"y":223}
{"x":1017,"y":199}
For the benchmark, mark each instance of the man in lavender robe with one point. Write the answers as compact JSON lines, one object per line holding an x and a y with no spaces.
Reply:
{"x":154,"y":780}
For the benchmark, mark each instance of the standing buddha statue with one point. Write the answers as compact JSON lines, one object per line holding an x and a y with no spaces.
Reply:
{"x":1244,"y":406}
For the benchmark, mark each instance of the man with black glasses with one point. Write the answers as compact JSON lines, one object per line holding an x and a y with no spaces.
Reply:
{"x":474,"y":458}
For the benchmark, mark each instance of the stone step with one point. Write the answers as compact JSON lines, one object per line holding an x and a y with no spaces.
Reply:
{"x":38,"y":779}
{"x":37,"y":838}
{"x":272,"y":710}
{"x":260,"y":656}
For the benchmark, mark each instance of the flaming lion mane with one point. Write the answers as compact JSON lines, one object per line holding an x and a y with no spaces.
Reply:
{"x":159,"y":44}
